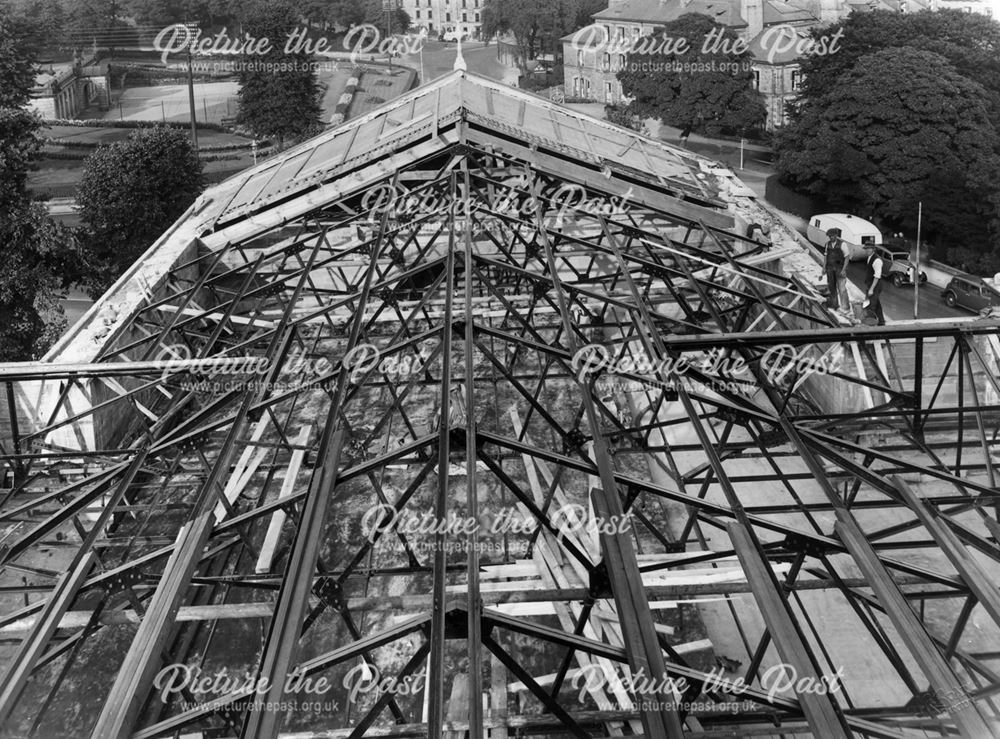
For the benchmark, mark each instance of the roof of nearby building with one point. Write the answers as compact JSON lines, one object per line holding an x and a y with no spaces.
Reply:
{"x":779,"y":11}
{"x":321,"y":163}
{"x":662,"y":11}
{"x":773,"y":46}
{"x":726,"y":12}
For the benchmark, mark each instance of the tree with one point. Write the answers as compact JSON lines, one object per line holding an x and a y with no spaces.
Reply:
{"x":902,"y":126}
{"x":279,"y":96}
{"x":36,"y":252}
{"x":969,"y":41}
{"x":696,"y":85}
{"x":347,"y":13}
{"x":96,"y":21}
{"x":130,"y":192}
{"x":17,"y":67}
{"x":378,"y":15}
{"x":535,"y":26}
{"x":42,"y":21}
{"x":585,"y":10}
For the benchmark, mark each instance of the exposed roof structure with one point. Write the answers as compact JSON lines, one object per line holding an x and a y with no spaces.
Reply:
{"x":479,"y":417}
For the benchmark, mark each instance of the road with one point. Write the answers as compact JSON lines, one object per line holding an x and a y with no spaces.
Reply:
{"x":897,"y":302}
{"x":439,"y":60}
{"x":76,"y":303}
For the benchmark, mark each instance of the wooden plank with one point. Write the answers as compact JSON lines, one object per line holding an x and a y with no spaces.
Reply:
{"x":215,"y":316}
{"x":73,"y":620}
{"x":273,"y":535}
{"x":249,"y":460}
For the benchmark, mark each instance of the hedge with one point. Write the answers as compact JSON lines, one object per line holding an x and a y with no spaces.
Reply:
{"x":97,"y":123}
{"x":91,"y":145}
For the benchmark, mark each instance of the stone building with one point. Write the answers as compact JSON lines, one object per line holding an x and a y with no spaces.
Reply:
{"x":63,"y":90}
{"x":593,"y":56}
{"x":773,"y":28}
{"x":446,"y":15}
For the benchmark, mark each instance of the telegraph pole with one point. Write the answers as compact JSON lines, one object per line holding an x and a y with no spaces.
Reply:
{"x":916,"y":263}
{"x":390,"y":8}
{"x":194,"y":123}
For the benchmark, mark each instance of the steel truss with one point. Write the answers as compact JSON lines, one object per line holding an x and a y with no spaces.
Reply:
{"x":218,"y":521}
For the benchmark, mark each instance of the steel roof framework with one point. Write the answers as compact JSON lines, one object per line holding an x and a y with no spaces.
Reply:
{"x":500,"y":286}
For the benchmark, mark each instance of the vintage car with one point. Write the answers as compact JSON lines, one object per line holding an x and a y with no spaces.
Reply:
{"x":971,"y":293}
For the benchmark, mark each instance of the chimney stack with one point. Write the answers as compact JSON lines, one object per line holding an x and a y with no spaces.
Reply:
{"x":753,"y":14}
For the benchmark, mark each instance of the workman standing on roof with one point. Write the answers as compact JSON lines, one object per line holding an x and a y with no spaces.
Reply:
{"x":874,"y":266}
{"x":836,"y":254}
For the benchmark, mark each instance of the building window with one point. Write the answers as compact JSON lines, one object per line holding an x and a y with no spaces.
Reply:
{"x":430,"y":15}
{"x":621,"y":33}
{"x":579,"y":57}
{"x":756,"y":79}
{"x":465,"y":17}
{"x":609,"y":93}
{"x":606,"y":63}
{"x":476,"y":15}
{"x":621,"y":61}
{"x":417,"y":11}
{"x":607,"y":33}
{"x":796,"y":79}
{"x":636,"y":30}
{"x":447,"y":17}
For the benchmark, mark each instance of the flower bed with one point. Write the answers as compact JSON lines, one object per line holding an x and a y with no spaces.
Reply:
{"x":344,"y":101}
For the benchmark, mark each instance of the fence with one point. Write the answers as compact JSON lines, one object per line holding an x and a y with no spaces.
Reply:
{"x":214,"y":102}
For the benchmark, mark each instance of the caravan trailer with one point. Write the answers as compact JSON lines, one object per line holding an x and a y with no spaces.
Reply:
{"x":856,"y":232}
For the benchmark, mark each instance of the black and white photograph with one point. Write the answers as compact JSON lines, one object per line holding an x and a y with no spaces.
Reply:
{"x":499,"y":369}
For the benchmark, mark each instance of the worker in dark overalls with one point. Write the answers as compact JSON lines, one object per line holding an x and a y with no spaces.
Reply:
{"x":874,"y":267}
{"x":836,"y":267}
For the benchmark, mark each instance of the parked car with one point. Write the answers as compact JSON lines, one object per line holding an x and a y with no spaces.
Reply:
{"x":899,"y":268}
{"x":971,"y":293}
{"x":454,"y":34}
{"x":856,"y":232}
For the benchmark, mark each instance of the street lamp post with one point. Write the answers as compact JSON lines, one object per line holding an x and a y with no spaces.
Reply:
{"x":390,"y":8}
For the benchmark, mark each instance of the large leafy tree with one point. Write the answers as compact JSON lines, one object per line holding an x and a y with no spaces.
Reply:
{"x":100,"y":22}
{"x":535,"y":26}
{"x":35,"y":254}
{"x":130,"y":192}
{"x":379,"y":15}
{"x":42,"y":20}
{"x":347,"y":13}
{"x":208,"y":13}
{"x":712,"y":93}
{"x":279,"y":95}
{"x":969,"y":41}
{"x":902,"y":126}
